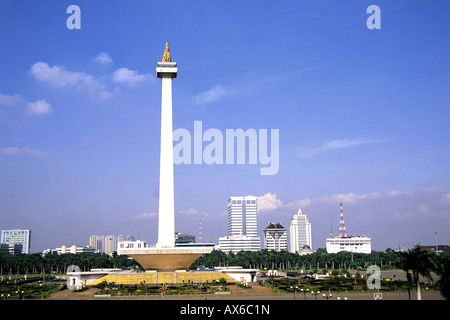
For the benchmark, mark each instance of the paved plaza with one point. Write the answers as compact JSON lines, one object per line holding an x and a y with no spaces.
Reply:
{"x":256,"y":292}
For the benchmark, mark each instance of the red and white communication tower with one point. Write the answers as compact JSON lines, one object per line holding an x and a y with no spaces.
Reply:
{"x":342,"y":230}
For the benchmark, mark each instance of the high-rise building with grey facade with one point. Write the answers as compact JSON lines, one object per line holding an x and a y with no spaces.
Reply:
{"x":242,"y":225}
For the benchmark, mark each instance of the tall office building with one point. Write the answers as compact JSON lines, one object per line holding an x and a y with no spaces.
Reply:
{"x":17,"y":236}
{"x":275,"y":237}
{"x":242,"y":226}
{"x":242,"y":216}
{"x":300,"y":234}
{"x":110,"y":243}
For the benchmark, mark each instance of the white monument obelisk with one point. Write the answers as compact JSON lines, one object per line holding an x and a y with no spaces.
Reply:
{"x":165,"y":256}
{"x":166,"y":70}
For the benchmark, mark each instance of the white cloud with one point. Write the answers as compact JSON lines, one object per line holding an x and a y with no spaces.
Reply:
{"x":393,"y":193}
{"x":422,"y":208}
{"x":336,"y":144}
{"x":147,"y":215}
{"x":403,"y":216}
{"x":39,"y":107}
{"x":106,"y":95}
{"x":298,"y":204}
{"x":269,"y":202}
{"x":446,"y":197}
{"x":21,"y":151}
{"x":345,"y":143}
{"x":211,"y":95}
{"x":103,"y":58}
{"x":348,"y":197}
{"x":130,"y":77}
{"x":60,"y":77}
{"x":8,"y":100}
{"x":32,"y":108}
{"x":193,"y":213}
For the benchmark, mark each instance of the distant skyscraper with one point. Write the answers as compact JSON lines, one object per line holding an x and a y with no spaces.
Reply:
{"x":275,"y":237}
{"x":242,"y":216}
{"x":300,"y":233}
{"x":17,"y":236}
{"x":96,"y":242}
{"x":110,"y":243}
{"x":242,"y":226}
{"x":106,"y":244}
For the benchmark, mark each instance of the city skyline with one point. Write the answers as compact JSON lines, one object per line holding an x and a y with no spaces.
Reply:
{"x":362,"y":117}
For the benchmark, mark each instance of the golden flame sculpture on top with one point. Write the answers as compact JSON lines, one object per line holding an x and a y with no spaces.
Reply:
{"x":166,"y":56}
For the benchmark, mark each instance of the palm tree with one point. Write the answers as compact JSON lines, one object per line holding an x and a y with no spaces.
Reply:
{"x":416,"y":262}
{"x":443,"y":269}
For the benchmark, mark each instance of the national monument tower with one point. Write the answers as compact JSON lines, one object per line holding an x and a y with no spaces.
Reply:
{"x":165,"y":256}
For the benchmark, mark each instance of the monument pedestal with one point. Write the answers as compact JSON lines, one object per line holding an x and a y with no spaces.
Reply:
{"x":165,"y":259}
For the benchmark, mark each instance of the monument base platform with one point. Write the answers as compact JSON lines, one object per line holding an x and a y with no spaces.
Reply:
{"x":165,"y":259}
{"x":176,"y":277}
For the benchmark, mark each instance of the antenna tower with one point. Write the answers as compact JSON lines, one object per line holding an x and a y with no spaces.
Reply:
{"x":342,"y":230}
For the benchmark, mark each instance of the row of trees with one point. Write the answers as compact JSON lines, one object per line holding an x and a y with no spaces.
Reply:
{"x":319,"y":259}
{"x":37,"y":264}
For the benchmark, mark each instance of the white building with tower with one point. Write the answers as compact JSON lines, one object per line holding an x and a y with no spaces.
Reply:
{"x":343,"y":242}
{"x":357,"y":244}
{"x":242,"y":226}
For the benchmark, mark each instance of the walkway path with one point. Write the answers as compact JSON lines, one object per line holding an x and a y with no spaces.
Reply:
{"x":256,"y":292}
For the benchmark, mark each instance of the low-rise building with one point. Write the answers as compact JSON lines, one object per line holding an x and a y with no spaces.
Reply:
{"x":70,"y":249}
{"x":238,"y":243}
{"x":10,"y":248}
{"x":357,"y":244}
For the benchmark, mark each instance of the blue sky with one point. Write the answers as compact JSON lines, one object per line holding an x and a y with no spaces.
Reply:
{"x":362,"y":116}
